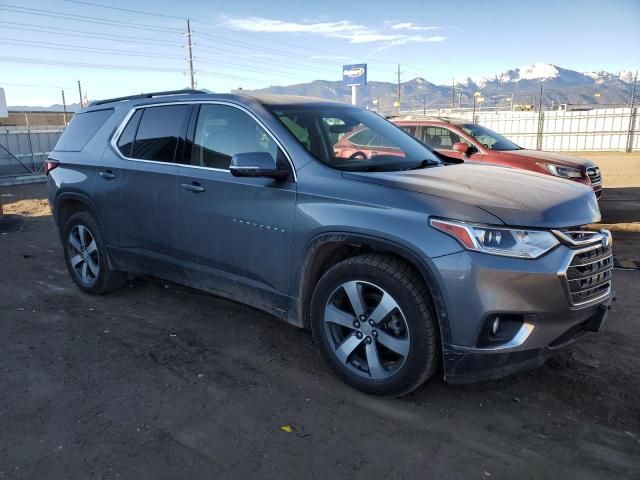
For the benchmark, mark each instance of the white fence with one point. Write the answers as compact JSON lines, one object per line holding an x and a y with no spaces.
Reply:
{"x":603,"y":129}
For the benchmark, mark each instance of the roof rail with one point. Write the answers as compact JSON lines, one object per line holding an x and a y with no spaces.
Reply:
{"x":147,"y":95}
{"x":422,"y":117}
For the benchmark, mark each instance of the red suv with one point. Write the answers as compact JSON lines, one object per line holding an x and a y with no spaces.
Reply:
{"x":463,"y":140}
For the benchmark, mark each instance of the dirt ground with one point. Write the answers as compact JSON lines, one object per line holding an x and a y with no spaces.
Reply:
{"x":160,"y":381}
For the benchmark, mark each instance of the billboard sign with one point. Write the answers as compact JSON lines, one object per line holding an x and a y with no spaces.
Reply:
{"x":354,"y":74}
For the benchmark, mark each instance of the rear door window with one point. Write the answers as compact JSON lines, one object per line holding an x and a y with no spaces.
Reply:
{"x":159,"y":133}
{"x":82,"y":128}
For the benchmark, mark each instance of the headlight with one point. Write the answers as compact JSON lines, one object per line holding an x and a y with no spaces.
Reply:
{"x":564,"y":172}
{"x":509,"y":242}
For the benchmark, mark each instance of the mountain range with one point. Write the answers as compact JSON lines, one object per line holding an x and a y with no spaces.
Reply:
{"x":559,"y":85}
{"x":518,"y":85}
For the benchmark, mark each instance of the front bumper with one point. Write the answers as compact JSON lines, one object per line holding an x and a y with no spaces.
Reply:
{"x":464,"y":365}
{"x":477,"y":287}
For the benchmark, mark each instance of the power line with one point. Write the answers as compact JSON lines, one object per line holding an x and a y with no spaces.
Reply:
{"x":86,"y":34}
{"x":75,"y":48}
{"x":204,"y":60}
{"x":131,"y":39}
{"x":217,"y":27}
{"x":84,"y":18}
{"x":34,"y":85}
{"x":102,"y":66}
{"x":129,"y":10}
{"x":73,"y":17}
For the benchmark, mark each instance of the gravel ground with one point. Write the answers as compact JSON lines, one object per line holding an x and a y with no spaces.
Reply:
{"x":160,"y":381}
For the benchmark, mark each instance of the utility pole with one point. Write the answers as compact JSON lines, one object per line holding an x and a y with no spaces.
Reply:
{"x":424,"y":105}
{"x":398,"y":89}
{"x":473,"y":115}
{"x":80,"y":94}
{"x":540,"y":120}
{"x":453,"y":93}
{"x":459,"y":101}
{"x":631,"y":114}
{"x":64,"y":108}
{"x":190,"y":60}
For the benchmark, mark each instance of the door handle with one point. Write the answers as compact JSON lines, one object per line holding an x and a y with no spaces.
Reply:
{"x":193,"y":187}
{"x":107,"y":175}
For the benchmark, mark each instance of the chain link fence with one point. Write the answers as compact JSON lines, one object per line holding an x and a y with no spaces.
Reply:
{"x":26,"y":139}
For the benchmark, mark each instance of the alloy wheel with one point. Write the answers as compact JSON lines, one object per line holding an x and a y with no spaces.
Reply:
{"x":83,"y":254}
{"x":366,"y":329}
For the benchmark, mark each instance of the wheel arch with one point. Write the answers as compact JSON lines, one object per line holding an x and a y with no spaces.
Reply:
{"x":327,"y":249}
{"x":68,"y":203}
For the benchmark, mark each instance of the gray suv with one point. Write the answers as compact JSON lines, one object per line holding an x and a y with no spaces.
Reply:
{"x":400,"y":264}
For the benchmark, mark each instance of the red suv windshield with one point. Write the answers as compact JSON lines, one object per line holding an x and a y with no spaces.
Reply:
{"x":489,"y":138}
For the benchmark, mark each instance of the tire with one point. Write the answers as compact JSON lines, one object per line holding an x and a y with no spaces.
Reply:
{"x":86,"y":256}
{"x":396,"y":353}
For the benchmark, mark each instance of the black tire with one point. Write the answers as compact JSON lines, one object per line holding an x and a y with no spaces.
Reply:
{"x":105,"y":280}
{"x":405,"y":286}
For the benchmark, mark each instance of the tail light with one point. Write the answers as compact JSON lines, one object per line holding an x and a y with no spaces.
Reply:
{"x":50,"y":165}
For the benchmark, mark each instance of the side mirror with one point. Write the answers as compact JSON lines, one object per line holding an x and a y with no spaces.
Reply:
{"x":460,"y":147}
{"x":256,"y":164}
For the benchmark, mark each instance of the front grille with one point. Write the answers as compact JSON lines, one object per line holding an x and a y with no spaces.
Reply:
{"x":589,"y":274}
{"x":594,"y":175}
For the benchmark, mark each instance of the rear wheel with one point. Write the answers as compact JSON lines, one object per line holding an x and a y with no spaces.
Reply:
{"x":86,"y":255}
{"x":372,"y":321}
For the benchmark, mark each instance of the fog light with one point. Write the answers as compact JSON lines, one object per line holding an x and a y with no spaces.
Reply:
{"x":495,"y":326}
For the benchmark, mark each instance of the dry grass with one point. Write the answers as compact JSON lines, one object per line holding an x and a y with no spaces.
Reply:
{"x":619,"y":170}
{"x":27,"y":208}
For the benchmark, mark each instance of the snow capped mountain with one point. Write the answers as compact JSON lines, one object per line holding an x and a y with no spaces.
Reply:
{"x":536,"y":71}
{"x":602,"y":76}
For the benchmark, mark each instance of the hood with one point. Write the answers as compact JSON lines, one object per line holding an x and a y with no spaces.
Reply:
{"x":556,"y":158}
{"x":517,"y":197}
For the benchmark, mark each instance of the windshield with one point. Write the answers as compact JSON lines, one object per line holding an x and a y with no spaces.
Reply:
{"x":348,"y":138}
{"x":489,"y":138}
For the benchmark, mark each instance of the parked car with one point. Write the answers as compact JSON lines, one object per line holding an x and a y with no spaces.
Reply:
{"x":462,"y":140}
{"x":397,"y":263}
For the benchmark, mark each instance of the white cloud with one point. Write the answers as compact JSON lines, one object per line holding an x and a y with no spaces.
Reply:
{"x":259,"y":24}
{"x":344,"y":29}
{"x":328,"y":57}
{"x":409,"y":26}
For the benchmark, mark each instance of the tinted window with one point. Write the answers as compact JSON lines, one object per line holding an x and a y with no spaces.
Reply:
{"x":222,"y":131}
{"x":159,"y":131}
{"x":82,"y":128}
{"x":489,"y":138}
{"x":125,"y":142}
{"x":441,"y":138}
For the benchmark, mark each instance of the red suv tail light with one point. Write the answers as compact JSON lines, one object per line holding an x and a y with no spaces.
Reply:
{"x":50,"y":165}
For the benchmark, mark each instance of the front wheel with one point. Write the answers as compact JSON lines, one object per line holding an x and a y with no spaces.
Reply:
{"x":372,"y":321}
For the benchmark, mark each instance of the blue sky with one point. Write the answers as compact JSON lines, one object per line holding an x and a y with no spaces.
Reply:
{"x":47,"y":45}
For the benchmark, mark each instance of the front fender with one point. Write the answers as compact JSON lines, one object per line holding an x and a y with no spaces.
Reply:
{"x":311,"y":269}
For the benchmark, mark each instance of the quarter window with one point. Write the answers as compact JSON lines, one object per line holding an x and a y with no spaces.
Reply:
{"x":82,"y":128}
{"x":125,"y":142}
{"x":158,"y":134}
{"x":223,"y":131}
